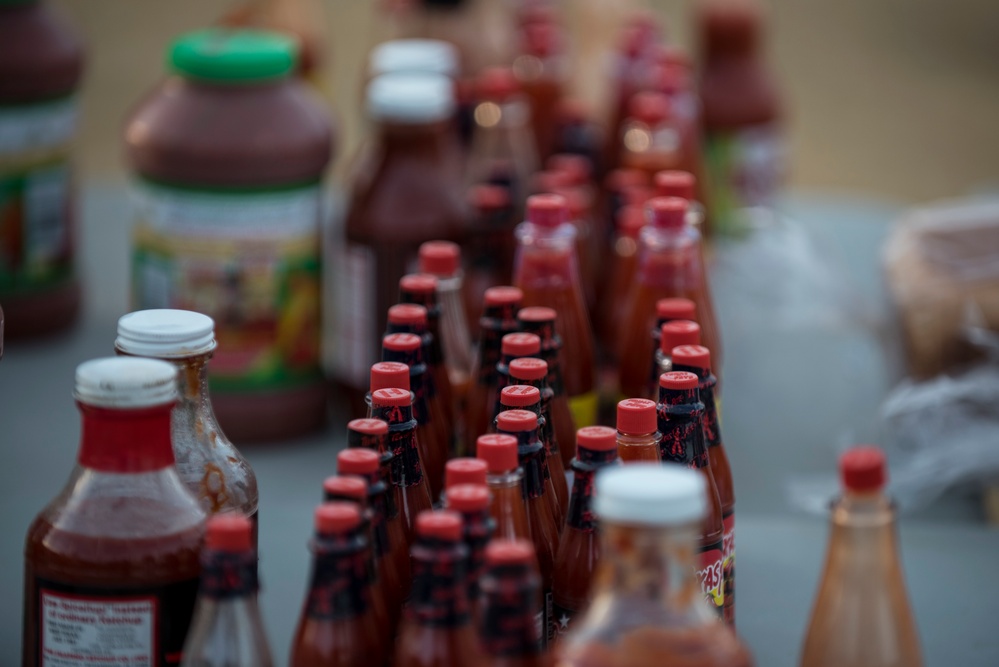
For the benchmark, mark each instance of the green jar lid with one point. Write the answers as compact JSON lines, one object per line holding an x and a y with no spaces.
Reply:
{"x":233,"y":56}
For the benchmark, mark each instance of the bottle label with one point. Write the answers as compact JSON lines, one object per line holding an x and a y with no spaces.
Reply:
{"x":547,"y":637}
{"x":225,"y":576}
{"x":35,"y":207}
{"x":709,"y":420}
{"x":123,"y":627}
{"x":248,"y":259}
{"x":355,"y":342}
{"x":584,"y":409}
{"x":561,"y":621}
{"x":340,"y":585}
{"x":728,"y":553}
{"x":710,"y":572}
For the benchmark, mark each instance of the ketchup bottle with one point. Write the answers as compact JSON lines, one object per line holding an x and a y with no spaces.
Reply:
{"x":540,"y":320}
{"x":227,"y":628}
{"x":490,"y":247}
{"x":638,"y":436}
{"x":337,"y":625}
{"x":681,"y":416}
{"x":697,"y":359}
{"x":578,"y":552}
{"x":623,"y":265}
{"x":432,"y":430}
{"x":544,"y":531}
{"x":543,"y":72}
{"x":513,"y":346}
{"x":630,"y":70}
{"x":506,"y":482}
{"x":546,"y":269}
{"x":671,"y":335}
{"x":436,"y":628}
{"x":120,"y":544}
{"x":651,"y":138}
{"x":472,"y":502}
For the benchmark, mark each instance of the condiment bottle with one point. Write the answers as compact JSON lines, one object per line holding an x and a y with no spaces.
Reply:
{"x":211,"y":467}
{"x":513,"y":346}
{"x":622,"y":270}
{"x":120,"y":544}
{"x":490,"y":247}
{"x":505,"y":479}
{"x":862,"y":615}
{"x":498,"y":319}
{"x":543,"y":71}
{"x":472,"y":502}
{"x":546,"y":270}
{"x":436,"y":627}
{"x":651,"y":138}
{"x":669,"y":309}
{"x":629,"y":71}
{"x":577,"y":133}
{"x":544,"y":530}
{"x":229,"y":153}
{"x":40,"y":67}
{"x":646,"y":609}
{"x":541,"y":321}
{"x":395,"y":406}
{"x":511,"y":590}
{"x":744,"y":143}
{"x":464,"y":470}
{"x":638,"y":436}
{"x":619,"y":188}
{"x":432,"y":430}
{"x":680,"y":416}
{"x":406,"y":191}
{"x":697,"y":359}
{"x":672,"y":334}
{"x":578,"y":554}
{"x":337,"y":625}
{"x":227,"y":628}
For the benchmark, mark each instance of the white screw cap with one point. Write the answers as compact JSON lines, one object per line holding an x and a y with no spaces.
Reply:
{"x":428,"y":56}
{"x":165,"y":334}
{"x":126,"y":382}
{"x":650,"y":494}
{"x":411,"y":98}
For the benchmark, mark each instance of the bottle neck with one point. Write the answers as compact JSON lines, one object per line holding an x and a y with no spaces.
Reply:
{"x":491,"y":344}
{"x":584,"y":466}
{"x":427,"y":140}
{"x":227,"y":576}
{"x":706,"y":388}
{"x":339,"y":584}
{"x":479,"y":528}
{"x":126,"y":440}
{"x":863,"y":537}
{"x":531,"y":455}
{"x":439,"y":596}
{"x":508,"y":624}
{"x":669,"y":257}
{"x":680,"y":415}
{"x":401,"y":441}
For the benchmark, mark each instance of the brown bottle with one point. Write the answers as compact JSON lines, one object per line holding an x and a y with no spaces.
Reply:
{"x":623,"y":266}
{"x":490,"y":246}
{"x":505,"y":480}
{"x":542,"y":69}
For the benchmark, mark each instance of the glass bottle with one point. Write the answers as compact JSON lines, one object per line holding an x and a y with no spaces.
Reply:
{"x":227,"y":628}
{"x":211,"y":467}
{"x":124,"y":535}
{"x":638,"y":436}
{"x":647,"y":608}
{"x":472,"y":502}
{"x":577,"y":133}
{"x":680,"y":416}
{"x":629,"y":72}
{"x":862,"y":615}
{"x":578,"y":554}
{"x":654,"y":137}
{"x":490,"y":247}
{"x":619,"y":186}
{"x":505,"y":480}
{"x":436,"y":628}
{"x":672,"y":334}
{"x":622,"y":270}
{"x":546,"y":269}
{"x":337,"y":625}
{"x":513,"y":346}
{"x":667,"y":310}
{"x":542,"y":69}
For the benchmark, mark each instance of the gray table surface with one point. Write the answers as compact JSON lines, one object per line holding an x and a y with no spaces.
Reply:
{"x":795,"y":393}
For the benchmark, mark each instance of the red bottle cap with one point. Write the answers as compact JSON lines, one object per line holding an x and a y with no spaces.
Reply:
{"x":672,"y":55}
{"x":695,"y":356}
{"x":676,"y":309}
{"x":678,"y":332}
{"x":519,"y":396}
{"x":541,"y":39}
{"x":576,"y":167}
{"x":371,"y":426}
{"x":649,"y":107}
{"x":402,"y":342}
{"x":636,"y":416}
{"x":498,"y":450}
{"x":418,"y":283}
{"x":407,"y":313}
{"x":356,"y":461}
{"x":487,"y":198}
{"x":620,"y":180}
{"x":391,"y":397}
{"x":571,"y":111}
{"x":547,"y":210}
{"x":596,"y":438}
{"x":670,"y":79}
{"x":503,"y":296}
{"x":464,"y":470}
{"x":346,"y":487}
{"x":515,"y":421}
{"x":440,"y":258}
{"x":537,"y":314}
{"x":231,"y":532}
{"x":675,"y":183}
{"x":388,"y":375}
{"x":337,"y":517}
{"x":667,"y":212}
{"x":521,"y":344}
{"x":501,"y":552}
{"x":468,"y":497}
{"x":497,"y":84}
{"x":863,"y":468}
{"x":439,"y":525}
{"x":528,"y":368}
{"x":549,"y":180}
{"x":678,"y":380}
{"x":630,"y":220}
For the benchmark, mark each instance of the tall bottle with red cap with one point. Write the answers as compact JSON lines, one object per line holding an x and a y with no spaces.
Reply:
{"x":623,"y":265}
{"x":513,"y":346}
{"x":542,"y":69}
{"x":667,"y":310}
{"x":862,"y":615}
{"x":638,"y":436}
{"x":547,"y":270}
{"x":672,"y":334}
{"x":652,"y":137}
{"x":337,"y":624}
{"x":578,"y":554}
{"x":505,"y":480}
{"x":471,"y":501}
{"x":227,"y":628}
{"x":490,"y":247}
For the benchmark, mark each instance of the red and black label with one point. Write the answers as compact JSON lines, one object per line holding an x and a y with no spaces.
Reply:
{"x":508,"y":626}
{"x":401,"y":441}
{"x":340,"y":579}
{"x":531,"y":454}
{"x":679,"y":415}
{"x":584,"y":467}
{"x":439,"y":595}
{"x":228,"y":575}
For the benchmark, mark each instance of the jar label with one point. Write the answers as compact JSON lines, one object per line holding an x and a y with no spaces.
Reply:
{"x":251,"y":261}
{"x":584,"y":409}
{"x":710,"y":573}
{"x":354,"y":342}
{"x":728,"y":552}
{"x":35,"y":208}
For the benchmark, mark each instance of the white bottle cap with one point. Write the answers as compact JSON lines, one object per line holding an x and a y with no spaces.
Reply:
{"x":411,"y":98}
{"x":126,"y":382}
{"x":428,"y":56}
{"x":650,"y":494}
{"x":165,"y":334}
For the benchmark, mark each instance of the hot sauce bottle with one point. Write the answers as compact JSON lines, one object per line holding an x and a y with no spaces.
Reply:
{"x":338,"y":625}
{"x":120,"y":544}
{"x":647,"y":610}
{"x":472,"y":502}
{"x":544,"y":531}
{"x":578,"y":552}
{"x":542,"y":69}
{"x":505,"y":481}
{"x":667,"y":310}
{"x":511,"y":589}
{"x":436,"y":630}
{"x":638,"y":436}
{"x":622,"y":269}
{"x":681,"y":416}
{"x":547,"y":270}
{"x":513,"y":346}
{"x":671,"y":335}
{"x":490,"y":246}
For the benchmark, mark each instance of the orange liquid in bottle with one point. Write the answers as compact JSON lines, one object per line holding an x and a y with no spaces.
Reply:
{"x":505,"y":481}
{"x":541,"y":71}
{"x":638,"y":438}
{"x":623,"y":267}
